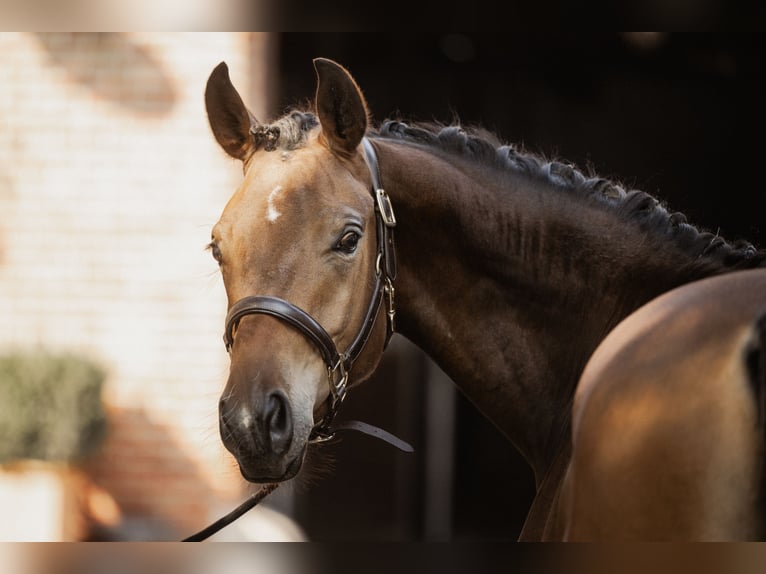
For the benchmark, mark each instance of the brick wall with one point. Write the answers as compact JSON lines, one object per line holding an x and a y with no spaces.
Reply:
{"x":110,"y":182}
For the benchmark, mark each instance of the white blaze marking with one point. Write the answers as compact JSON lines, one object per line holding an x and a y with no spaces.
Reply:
{"x":272,"y":214}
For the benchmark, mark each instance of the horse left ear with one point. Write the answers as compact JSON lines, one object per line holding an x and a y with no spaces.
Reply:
{"x":340,"y":106}
{"x":229,"y":118}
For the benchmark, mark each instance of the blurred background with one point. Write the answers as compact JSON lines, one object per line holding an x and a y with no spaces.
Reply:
{"x":111,"y":312}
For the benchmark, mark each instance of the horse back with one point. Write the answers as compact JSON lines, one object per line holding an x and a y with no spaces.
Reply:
{"x":668,"y":420}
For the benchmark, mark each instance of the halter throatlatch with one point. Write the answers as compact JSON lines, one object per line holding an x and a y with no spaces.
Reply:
{"x":339,"y":364}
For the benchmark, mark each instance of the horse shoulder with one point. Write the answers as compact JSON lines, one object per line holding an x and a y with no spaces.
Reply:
{"x":668,"y":433}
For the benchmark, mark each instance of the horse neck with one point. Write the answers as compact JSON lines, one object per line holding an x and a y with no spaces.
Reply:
{"x":503,"y":284}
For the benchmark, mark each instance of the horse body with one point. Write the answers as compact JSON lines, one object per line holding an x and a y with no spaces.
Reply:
{"x":678,"y":389}
{"x":512,"y":271}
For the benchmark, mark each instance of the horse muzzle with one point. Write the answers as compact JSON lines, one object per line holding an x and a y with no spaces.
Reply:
{"x":261,"y":435}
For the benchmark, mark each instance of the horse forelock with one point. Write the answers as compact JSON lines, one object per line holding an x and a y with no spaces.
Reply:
{"x":286,"y":133}
{"x":480,"y":146}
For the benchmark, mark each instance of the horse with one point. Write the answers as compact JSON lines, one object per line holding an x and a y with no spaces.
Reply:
{"x":619,"y":348}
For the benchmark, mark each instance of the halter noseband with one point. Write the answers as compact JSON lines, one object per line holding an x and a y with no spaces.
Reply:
{"x":338,"y":364}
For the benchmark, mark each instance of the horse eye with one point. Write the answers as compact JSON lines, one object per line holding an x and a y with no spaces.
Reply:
{"x":215,"y":251}
{"x":348,"y":243}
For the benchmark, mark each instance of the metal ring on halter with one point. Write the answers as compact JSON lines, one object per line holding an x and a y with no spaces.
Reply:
{"x":318,"y":435}
{"x":338,"y":389}
{"x":322,"y":431}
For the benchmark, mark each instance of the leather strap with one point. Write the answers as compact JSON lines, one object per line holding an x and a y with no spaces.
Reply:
{"x":374,"y":431}
{"x":385,"y":219}
{"x":281,"y":309}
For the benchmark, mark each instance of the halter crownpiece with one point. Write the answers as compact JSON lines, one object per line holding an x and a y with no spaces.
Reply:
{"x":339,"y":364}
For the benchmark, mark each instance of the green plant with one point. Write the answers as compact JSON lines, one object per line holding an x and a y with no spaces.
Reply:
{"x":50,"y":406}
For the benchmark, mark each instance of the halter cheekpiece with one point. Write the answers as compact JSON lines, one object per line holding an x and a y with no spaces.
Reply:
{"x":338,"y":364}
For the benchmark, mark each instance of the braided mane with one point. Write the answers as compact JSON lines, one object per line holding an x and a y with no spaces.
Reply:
{"x":484,"y":148}
{"x":649,"y":213}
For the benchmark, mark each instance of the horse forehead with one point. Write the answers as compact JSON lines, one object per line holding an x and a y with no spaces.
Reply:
{"x":312,"y":174}
{"x":272,"y":170}
{"x":284,"y":189}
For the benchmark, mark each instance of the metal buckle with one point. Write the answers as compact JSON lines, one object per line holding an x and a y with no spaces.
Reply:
{"x":385,"y":208}
{"x":321,"y":431}
{"x":338,"y":389}
{"x":320,"y":436}
{"x":388,"y":289}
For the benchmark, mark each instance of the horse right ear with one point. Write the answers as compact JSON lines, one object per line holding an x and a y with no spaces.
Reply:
{"x":340,"y":106}
{"x":229,"y":118}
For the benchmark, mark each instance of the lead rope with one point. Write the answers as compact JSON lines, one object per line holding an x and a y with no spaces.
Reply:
{"x":251,"y":502}
{"x":267,"y":489}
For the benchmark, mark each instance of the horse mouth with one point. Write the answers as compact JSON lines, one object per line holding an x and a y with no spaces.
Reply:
{"x":261,"y":476}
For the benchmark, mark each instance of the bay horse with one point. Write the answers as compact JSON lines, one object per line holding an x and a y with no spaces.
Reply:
{"x":618,"y":347}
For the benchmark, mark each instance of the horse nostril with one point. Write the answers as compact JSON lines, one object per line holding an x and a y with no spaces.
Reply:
{"x":224,"y":414}
{"x":278,"y":421}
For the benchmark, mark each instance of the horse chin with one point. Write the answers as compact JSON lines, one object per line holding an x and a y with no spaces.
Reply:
{"x":255,"y":474}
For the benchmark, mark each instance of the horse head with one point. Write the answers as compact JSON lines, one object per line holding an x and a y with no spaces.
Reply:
{"x":300,"y":233}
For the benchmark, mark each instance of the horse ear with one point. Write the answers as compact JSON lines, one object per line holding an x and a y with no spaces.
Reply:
{"x":340,"y":106}
{"x":229,"y":118}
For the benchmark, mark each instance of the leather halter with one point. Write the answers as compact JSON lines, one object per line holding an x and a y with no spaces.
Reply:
{"x":338,"y":364}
